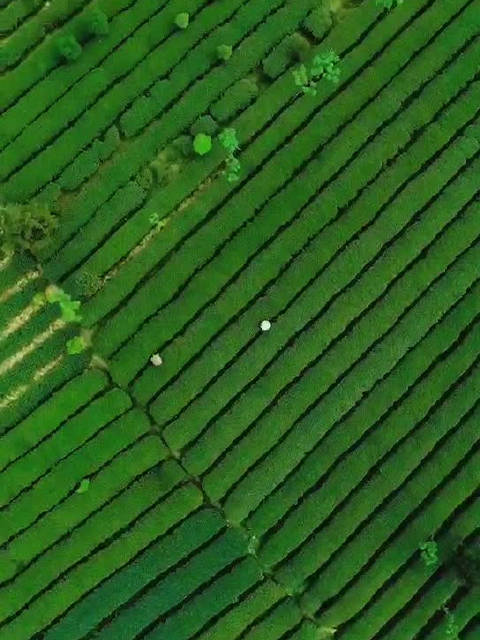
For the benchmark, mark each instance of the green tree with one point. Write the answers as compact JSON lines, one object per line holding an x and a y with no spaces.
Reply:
{"x":224,"y":52}
{"x":326,"y":65}
{"x":69,"y":308}
{"x":182,"y":20}
{"x":202,"y":144}
{"x":228,"y":140}
{"x":302,"y":80}
{"x":76,"y":345}
{"x":25,"y":226}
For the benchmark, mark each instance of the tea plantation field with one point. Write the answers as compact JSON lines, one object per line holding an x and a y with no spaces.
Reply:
{"x":240,"y":379}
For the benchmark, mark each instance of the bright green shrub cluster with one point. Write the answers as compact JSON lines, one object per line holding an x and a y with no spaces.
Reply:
{"x":324,"y":65}
{"x":229,"y":141}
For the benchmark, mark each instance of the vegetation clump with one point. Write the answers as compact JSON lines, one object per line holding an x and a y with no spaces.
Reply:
{"x":324,"y":65}
{"x":467,"y":564}
{"x":87,"y":283}
{"x":451,"y":628}
{"x":69,"y":48}
{"x":202,"y":144}
{"x":224,"y":52}
{"x":97,"y":23}
{"x":25,"y":226}
{"x":76,"y":345}
{"x":182,"y":20}
{"x":69,"y":308}
{"x":429,"y":553}
{"x":229,"y":141}
{"x":205,"y":124}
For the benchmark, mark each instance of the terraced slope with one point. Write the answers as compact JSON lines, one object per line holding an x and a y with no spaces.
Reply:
{"x":257,"y":485}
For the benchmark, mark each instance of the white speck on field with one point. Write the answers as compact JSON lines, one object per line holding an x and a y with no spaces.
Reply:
{"x":265,"y":325}
{"x":156,"y":360}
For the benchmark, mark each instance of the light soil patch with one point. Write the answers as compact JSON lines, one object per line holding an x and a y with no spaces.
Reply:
{"x":17,"y":357}
{"x":19,"y":285}
{"x":16,"y":394}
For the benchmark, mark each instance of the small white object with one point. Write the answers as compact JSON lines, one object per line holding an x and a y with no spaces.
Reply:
{"x":156,"y":360}
{"x":265,"y":325}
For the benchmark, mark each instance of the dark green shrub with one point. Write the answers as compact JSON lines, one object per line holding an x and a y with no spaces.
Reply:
{"x":278,"y":60}
{"x":183,"y":146}
{"x":68,"y":48}
{"x":144,"y":178}
{"x":204,"y":124}
{"x":86,"y":284}
{"x":299,"y":46}
{"x":26,"y":226}
{"x":429,"y":553}
{"x":97,"y":23}
{"x":467,"y":563}
{"x":318,"y":22}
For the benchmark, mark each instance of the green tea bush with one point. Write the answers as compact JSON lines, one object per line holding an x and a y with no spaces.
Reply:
{"x":97,"y":23}
{"x":183,"y":145}
{"x":68,"y":48}
{"x":298,"y":46}
{"x":204,"y":124}
{"x":235,"y":99}
{"x":278,"y":60}
{"x":318,"y":22}
{"x":429,"y":553}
